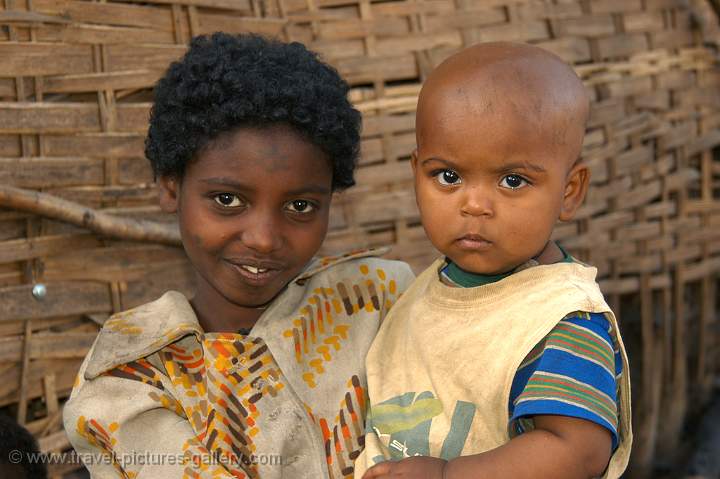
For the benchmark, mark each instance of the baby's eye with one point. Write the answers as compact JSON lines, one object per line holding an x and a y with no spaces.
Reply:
{"x":447,"y":177}
{"x":228,"y":200}
{"x":300,"y":206}
{"x":513,"y":182}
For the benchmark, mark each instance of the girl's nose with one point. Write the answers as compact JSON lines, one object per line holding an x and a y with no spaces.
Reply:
{"x":262,"y":235}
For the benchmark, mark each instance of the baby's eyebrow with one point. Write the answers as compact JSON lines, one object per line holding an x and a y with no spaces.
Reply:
{"x":507,"y":167}
{"x":522,"y":165}
{"x":447,"y":163}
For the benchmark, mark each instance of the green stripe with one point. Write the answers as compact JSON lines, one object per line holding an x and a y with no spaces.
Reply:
{"x":538,"y":381}
{"x":595,"y":346}
{"x":537,"y":387}
{"x":611,"y":419}
{"x":577,"y":330}
{"x":531,"y":358}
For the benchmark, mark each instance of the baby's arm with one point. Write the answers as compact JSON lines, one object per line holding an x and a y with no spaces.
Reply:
{"x":559,"y":447}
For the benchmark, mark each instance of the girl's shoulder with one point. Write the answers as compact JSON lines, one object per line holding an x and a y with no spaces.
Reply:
{"x":356,"y":263}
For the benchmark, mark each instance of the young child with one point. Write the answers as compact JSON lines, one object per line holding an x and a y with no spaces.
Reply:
{"x":261,"y":372}
{"x":20,"y":456}
{"x":502,"y":360}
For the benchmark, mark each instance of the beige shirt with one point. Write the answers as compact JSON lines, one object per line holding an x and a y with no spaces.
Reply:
{"x":156,"y":397}
{"x":442,"y":365}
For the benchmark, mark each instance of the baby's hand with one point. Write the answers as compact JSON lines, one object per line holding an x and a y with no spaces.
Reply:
{"x":417,"y":467}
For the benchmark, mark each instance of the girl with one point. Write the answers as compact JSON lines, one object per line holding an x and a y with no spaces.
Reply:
{"x":261,"y":372}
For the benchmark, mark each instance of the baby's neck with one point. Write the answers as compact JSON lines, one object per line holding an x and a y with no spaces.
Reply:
{"x":452,"y":275}
{"x":550,"y":254}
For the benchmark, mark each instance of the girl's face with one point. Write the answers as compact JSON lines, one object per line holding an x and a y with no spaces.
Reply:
{"x":253,"y":210}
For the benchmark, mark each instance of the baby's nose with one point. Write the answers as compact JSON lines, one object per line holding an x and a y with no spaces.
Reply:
{"x":477,"y":203}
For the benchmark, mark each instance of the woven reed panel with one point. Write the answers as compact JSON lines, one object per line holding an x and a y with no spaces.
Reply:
{"x":75,"y":91}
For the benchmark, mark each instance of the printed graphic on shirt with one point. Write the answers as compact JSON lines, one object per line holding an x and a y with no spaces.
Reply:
{"x":102,"y":438}
{"x":220,"y":384}
{"x":403,"y":424}
{"x":140,"y":370}
{"x":199,"y":466}
{"x":343,"y":437}
{"x":325,"y":320}
{"x":222,"y":391}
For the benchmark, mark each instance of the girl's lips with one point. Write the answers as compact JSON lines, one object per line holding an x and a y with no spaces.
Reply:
{"x":261,"y":276}
{"x":253,"y":262}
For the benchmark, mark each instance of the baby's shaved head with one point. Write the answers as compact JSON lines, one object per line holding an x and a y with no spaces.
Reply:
{"x":499,"y":131}
{"x":515,"y":92}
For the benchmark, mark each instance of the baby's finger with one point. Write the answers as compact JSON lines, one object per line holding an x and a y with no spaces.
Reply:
{"x":378,"y":470}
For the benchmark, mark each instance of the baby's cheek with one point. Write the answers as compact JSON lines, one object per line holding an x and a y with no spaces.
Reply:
{"x":438,"y":228}
{"x":537,"y":230}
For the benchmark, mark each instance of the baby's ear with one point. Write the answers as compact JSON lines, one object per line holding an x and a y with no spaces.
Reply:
{"x":169,"y":191}
{"x":575,"y":189}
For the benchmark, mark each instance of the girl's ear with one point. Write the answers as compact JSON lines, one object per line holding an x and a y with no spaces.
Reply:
{"x":413,"y":160}
{"x":169,"y":192}
{"x":575,"y":189}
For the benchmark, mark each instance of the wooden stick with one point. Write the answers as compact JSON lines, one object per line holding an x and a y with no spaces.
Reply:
{"x":54,"y":413}
{"x":101,"y":223}
{"x":24,"y":374}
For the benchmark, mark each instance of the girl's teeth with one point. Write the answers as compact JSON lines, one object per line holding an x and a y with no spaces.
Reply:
{"x":253,"y":269}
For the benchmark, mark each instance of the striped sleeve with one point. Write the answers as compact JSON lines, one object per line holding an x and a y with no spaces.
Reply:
{"x":573,"y":372}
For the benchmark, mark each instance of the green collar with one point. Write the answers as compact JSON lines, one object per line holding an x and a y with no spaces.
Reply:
{"x":465,"y":279}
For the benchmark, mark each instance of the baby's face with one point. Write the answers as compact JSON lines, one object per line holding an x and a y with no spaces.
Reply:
{"x":489,"y":181}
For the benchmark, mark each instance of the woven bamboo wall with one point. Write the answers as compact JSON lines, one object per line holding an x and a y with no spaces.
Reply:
{"x":75,"y":82}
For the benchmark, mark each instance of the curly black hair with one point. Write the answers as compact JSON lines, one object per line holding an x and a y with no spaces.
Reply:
{"x":229,"y":81}
{"x":20,"y":449}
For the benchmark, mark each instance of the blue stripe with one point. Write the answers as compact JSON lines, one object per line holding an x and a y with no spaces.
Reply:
{"x":576,"y":367}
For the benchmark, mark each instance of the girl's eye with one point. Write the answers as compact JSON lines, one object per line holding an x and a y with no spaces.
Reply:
{"x":447,"y":177}
{"x":513,"y":182}
{"x":228,"y":200}
{"x":300,"y":206}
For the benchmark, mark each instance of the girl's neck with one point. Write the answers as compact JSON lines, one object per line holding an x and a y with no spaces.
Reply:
{"x":216,"y":314}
